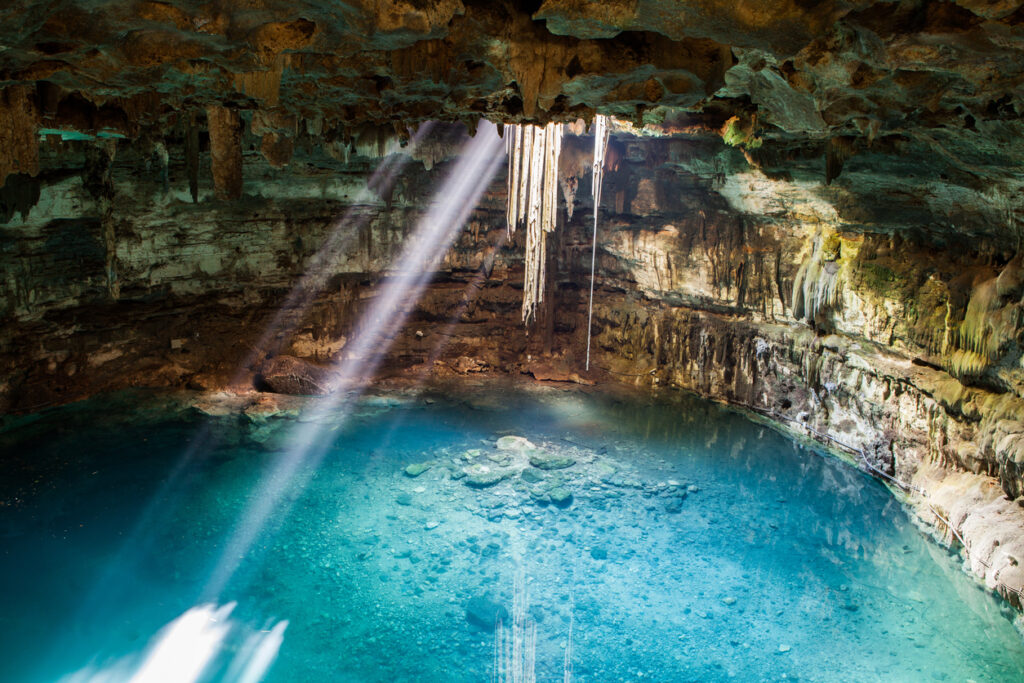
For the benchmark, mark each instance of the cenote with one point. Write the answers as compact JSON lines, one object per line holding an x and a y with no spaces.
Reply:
{"x":401,"y":341}
{"x":661,"y":540}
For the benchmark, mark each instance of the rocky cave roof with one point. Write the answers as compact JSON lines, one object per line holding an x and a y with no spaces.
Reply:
{"x":910,"y":88}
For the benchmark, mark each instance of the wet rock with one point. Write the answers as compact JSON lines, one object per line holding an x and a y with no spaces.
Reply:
{"x":560,"y":496}
{"x":555,"y":372}
{"x":531,"y":476}
{"x":482,"y":476}
{"x":291,"y":375}
{"x":513,"y":443}
{"x":546,"y":461}
{"x":484,"y":611}
{"x":416,"y":469}
{"x":674,"y":503}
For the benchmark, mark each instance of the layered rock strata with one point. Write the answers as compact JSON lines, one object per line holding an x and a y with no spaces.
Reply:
{"x":841,"y":317}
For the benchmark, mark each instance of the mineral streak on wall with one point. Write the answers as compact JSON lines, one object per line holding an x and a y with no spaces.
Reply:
{"x":810,"y":212}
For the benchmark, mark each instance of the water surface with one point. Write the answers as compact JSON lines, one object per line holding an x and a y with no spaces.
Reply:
{"x":684,"y":543}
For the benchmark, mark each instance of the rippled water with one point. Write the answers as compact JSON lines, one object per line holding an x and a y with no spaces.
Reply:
{"x":686,"y":544}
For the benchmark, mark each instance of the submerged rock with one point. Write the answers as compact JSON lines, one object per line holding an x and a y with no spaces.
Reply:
{"x":482,"y":476}
{"x":513,"y":443}
{"x":546,"y":461}
{"x":603,"y":471}
{"x":560,"y":496}
{"x":484,"y":610}
{"x":531,"y":476}
{"x":416,"y":469}
{"x":674,"y":503}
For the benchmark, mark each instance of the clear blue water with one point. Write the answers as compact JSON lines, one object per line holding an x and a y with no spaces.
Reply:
{"x":776,"y":564}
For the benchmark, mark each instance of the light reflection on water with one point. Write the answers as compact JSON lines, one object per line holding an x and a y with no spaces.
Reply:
{"x":777,"y":562}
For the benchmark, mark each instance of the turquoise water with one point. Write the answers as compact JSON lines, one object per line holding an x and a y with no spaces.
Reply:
{"x":686,"y":544}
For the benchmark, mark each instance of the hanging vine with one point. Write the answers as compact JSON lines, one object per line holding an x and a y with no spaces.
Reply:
{"x":533,"y":153}
{"x":601,"y":132}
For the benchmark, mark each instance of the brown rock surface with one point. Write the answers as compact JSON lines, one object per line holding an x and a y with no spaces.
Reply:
{"x":225,"y":152}
{"x":811,"y":209}
{"x":294,"y":376}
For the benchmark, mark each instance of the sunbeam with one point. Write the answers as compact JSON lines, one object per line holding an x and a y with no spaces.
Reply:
{"x":339,"y":236}
{"x":412,"y":271}
{"x":342,"y":232}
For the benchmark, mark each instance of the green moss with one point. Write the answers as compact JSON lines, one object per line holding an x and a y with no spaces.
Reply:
{"x":735,"y":134}
{"x":732,"y":135}
{"x":831,"y":247}
{"x":878,"y":278}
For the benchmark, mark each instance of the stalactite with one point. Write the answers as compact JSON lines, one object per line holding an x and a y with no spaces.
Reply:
{"x":192,"y":154}
{"x":513,"y":147}
{"x":264,"y":85}
{"x":533,"y":153}
{"x":523,"y":178}
{"x":19,"y":144}
{"x":225,"y":151}
{"x":601,"y":132}
{"x":818,"y":285}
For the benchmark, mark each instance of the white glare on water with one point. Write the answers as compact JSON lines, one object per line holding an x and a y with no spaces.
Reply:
{"x":317,"y":270}
{"x":410,"y":273}
{"x":193,"y":647}
{"x":203,"y":643}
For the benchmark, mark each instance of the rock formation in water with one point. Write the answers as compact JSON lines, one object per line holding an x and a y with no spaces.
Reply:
{"x":810,"y":210}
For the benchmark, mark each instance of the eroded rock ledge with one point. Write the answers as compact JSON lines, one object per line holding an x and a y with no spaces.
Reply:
{"x":838,"y":311}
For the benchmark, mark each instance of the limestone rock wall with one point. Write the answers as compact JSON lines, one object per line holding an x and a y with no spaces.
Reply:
{"x":716,"y":274}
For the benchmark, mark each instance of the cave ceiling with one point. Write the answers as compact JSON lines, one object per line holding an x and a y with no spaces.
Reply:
{"x":891,"y":90}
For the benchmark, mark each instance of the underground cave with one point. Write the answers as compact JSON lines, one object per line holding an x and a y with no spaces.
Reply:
{"x":492,"y":340}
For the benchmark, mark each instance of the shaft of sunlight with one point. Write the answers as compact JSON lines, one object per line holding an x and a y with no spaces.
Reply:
{"x":257,"y":654}
{"x":339,"y":236}
{"x":412,"y":271}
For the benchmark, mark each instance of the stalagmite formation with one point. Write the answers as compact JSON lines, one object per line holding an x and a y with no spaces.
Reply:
{"x":533,"y":153}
